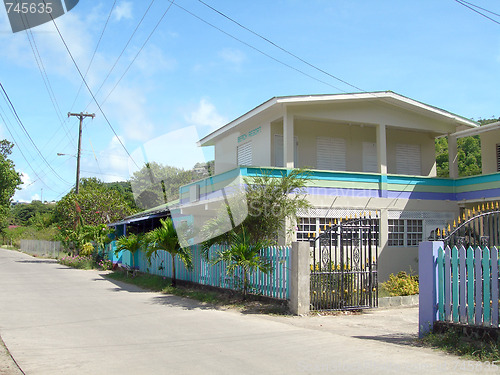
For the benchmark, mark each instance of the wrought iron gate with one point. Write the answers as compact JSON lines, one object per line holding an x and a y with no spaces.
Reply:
{"x":344,"y":265}
{"x":473,"y":228}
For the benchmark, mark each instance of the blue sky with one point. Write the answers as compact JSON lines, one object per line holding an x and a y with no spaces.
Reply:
{"x":189,"y":75}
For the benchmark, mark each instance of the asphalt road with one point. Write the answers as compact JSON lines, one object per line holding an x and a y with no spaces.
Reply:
{"x":57,"y":320}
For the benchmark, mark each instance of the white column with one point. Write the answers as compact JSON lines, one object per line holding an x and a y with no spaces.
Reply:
{"x":381,"y":149}
{"x":452,"y":156}
{"x":288,"y":146}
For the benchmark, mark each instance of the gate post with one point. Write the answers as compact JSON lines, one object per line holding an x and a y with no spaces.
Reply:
{"x":300,"y":278}
{"x":428,"y":285}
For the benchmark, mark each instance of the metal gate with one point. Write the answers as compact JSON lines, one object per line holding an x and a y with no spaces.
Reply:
{"x":344,"y":265}
{"x":473,"y":228}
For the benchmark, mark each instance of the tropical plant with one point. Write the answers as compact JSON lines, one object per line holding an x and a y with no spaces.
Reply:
{"x":132,"y":242}
{"x":165,"y":238}
{"x":244,"y":253}
{"x":269,"y":202}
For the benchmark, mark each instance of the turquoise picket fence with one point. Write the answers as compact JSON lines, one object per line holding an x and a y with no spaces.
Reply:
{"x":468,"y":285}
{"x":276,"y":284}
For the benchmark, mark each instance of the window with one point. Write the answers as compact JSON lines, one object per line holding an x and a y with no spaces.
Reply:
{"x":245,"y":154}
{"x":330,"y":153}
{"x":306,"y":226}
{"x":405,"y":232}
{"x":408,"y":159}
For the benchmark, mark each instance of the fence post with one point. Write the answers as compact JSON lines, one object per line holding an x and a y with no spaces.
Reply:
{"x":300,"y":278}
{"x":428,"y":285}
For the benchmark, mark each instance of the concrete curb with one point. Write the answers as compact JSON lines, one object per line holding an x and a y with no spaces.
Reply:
{"x":398,"y":301}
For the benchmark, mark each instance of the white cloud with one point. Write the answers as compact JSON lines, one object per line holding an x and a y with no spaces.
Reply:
{"x":233,"y":56}
{"x":112,"y":162}
{"x":128,"y":106}
{"x":206,"y":115}
{"x":26,"y":179}
{"x":123,"y":10}
{"x":152,"y":60}
{"x":35,"y":197}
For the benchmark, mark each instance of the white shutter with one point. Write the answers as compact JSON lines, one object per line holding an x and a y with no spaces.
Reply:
{"x":330,"y":153}
{"x":370,"y":162}
{"x":245,"y":154}
{"x":278,"y":151}
{"x":498,"y":158}
{"x":408,"y":159}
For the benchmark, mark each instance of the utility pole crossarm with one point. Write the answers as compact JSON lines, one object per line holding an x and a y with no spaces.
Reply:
{"x":80,"y":116}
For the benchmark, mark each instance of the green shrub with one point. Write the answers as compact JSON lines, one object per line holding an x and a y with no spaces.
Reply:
{"x":402,"y":284}
{"x":87,"y":249}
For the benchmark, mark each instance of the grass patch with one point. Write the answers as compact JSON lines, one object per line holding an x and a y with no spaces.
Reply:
{"x":216,"y":297}
{"x":453,"y":341}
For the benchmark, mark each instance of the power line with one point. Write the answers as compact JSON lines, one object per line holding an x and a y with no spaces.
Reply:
{"x":255,"y":48}
{"x":24,"y":156}
{"x":477,"y":6}
{"x":279,"y":47}
{"x":27,"y":133}
{"x":90,"y":91}
{"x":95,"y":51}
{"x":138,"y":52}
{"x":465,"y":4}
{"x":124,"y":48}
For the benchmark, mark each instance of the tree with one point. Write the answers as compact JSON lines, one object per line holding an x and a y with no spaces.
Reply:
{"x":165,"y":238}
{"x":95,"y":204}
{"x":132,"y":242}
{"x":244,"y":253}
{"x":23,"y":214}
{"x":156,"y":184}
{"x":9,"y":181}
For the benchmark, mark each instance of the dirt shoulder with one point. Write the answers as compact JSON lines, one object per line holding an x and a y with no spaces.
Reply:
{"x":7,"y":364}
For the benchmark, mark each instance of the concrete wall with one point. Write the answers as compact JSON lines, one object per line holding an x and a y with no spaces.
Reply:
{"x":489,"y":141}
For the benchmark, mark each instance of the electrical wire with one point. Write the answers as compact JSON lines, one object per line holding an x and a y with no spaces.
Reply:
{"x":124,"y":48}
{"x":90,"y":91}
{"x":138,"y":52}
{"x":95,"y":51}
{"x":470,"y":6}
{"x":280,"y":48}
{"x":255,"y":48}
{"x":28,"y":135}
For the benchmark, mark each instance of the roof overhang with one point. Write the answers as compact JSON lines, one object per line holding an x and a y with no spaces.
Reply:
{"x":478,"y":130}
{"x":280,"y":103}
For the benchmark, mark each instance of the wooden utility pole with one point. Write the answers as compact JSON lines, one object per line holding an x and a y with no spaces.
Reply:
{"x":80,"y":115}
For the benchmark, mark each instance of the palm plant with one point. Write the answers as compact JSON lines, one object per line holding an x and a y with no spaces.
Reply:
{"x":244,"y":252}
{"x":132,"y":242}
{"x":165,"y":238}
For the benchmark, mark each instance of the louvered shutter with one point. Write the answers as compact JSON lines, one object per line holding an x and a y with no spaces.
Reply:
{"x":245,"y":154}
{"x":330,"y":153}
{"x":408,"y":159}
{"x":370,"y":162}
{"x":278,"y":151}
